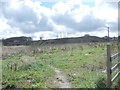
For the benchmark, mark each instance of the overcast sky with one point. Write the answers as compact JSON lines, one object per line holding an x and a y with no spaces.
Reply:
{"x":57,"y":18}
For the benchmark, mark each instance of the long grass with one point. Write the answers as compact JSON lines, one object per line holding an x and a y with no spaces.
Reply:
{"x":83,"y":64}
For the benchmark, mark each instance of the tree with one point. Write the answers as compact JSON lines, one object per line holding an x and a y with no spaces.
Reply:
{"x":41,"y":40}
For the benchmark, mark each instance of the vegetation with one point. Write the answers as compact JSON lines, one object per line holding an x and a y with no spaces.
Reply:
{"x":15,"y":41}
{"x":83,"y":64}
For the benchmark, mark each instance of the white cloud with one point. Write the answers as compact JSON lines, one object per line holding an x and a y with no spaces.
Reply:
{"x":105,"y":12}
{"x":60,"y":8}
{"x":27,"y":17}
{"x":7,"y":31}
{"x":3,"y":25}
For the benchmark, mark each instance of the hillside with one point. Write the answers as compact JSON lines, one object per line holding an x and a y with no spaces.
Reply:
{"x":28,"y":40}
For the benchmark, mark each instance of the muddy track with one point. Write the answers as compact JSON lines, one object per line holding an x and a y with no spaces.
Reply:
{"x":60,"y":79}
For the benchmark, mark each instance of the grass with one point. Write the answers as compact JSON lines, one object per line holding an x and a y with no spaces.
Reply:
{"x":32,"y":73}
{"x":82,"y":63}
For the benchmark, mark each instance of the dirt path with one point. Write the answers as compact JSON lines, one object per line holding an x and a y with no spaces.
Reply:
{"x":60,"y":79}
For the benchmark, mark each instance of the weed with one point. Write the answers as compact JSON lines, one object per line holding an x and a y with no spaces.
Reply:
{"x":101,"y":83}
{"x":82,"y":63}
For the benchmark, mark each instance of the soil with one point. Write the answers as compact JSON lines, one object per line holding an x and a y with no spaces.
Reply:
{"x":60,"y":78}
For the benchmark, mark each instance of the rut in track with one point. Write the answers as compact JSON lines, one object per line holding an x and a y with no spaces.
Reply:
{"x":60,"y":78}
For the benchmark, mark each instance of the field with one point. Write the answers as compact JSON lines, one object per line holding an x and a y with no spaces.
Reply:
{"x":55,"y":66}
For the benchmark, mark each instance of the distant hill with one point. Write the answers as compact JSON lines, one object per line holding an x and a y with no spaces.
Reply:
{"x":28,"y":40}
{"x":83,"y":39}
{"x":17,"y":41}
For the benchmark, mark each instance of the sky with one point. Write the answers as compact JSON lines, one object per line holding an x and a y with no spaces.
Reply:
{"x":52,"y":19}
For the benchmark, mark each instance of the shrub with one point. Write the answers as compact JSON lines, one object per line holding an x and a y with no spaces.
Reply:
{"x":117,"y":84}
{"x":101,"y":83}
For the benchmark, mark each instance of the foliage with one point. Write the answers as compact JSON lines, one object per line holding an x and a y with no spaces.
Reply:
{"x":117,"y":84}
{"x":101,"y":83}
{"x":82,"y":63}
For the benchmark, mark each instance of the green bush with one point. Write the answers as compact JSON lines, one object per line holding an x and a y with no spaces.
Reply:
{"x":117,"y":84}
{"x":101,"y":83}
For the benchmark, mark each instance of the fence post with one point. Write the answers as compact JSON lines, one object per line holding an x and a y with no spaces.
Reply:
{"x":109,"y":83}
{"x":118,"y":57}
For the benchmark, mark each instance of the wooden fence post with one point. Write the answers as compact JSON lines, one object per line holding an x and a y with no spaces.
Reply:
{"x":119,"y":51}
{"x":1,"y":64}
{"x":109,"y":83}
